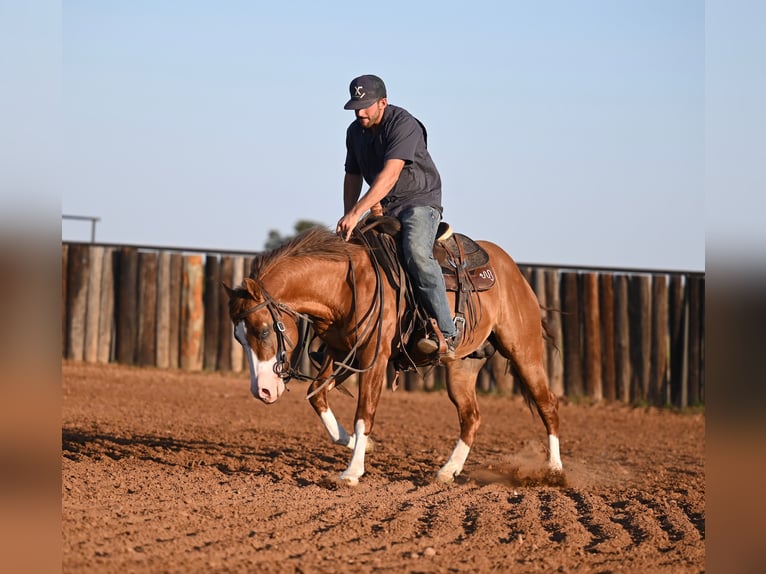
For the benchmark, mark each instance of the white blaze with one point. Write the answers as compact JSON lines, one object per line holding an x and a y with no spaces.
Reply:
{"x":265,"y":384}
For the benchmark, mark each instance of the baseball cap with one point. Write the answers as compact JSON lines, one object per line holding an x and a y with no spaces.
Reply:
{"x":365,"y":91}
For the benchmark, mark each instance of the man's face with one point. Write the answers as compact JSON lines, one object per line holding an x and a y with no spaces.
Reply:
{"x":371,"y":115}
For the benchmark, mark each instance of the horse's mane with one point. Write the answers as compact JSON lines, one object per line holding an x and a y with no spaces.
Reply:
{"x":314,"y":243}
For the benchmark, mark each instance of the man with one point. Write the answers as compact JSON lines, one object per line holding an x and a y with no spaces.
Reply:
{"x":386,"y":146}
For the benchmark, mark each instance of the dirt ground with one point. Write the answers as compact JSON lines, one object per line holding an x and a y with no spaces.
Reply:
{"x":166,"y":471}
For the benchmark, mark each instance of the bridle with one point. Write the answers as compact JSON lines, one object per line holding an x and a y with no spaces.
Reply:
{"x":283,"y":368}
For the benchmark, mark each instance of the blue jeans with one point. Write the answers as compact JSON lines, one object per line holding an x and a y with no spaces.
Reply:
{"x":419,"y":226}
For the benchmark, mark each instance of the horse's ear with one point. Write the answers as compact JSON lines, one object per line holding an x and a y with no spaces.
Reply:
{"x":229,"y":290}
{"x":252,"y":287}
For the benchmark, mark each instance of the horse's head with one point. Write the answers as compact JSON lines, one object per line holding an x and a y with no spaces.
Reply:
{"x":256,"y":328}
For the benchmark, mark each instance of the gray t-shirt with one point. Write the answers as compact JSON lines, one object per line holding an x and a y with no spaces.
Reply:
{"x":399,"y":136}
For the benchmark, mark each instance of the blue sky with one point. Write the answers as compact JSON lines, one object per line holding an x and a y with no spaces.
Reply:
{"x":569,"y":133}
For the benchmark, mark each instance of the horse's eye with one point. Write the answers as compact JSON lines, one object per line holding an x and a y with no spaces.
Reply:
{"x":264,"y":333}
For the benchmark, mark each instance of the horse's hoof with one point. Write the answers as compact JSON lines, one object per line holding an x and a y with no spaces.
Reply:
{"x":445,"y":477}
{"x":556,"y":476}
{"x":370,"y":446}
{"x":349,"y":480}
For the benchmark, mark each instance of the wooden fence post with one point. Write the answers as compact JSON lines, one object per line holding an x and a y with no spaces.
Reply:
{"x":622,"y":336}
{"x":640,"y":335}
{"x":192,"y":314}
{"x":429,"y":380}
{"x":696,"y":336}
{"x":592,"y":337}
{"x":175,"y":290}
{"x":606,"y":312}
{"x":93,"y":313}
{"x":412,"y":381}
{"x":106,"y":316}
{"x":555,"y":358}
{"x":678,"y":333}
{"x":225,"y":328}
{"x":572,"y":346}
{"x":163,"y":310}
{"x":211,"y":298}
{"x":147,"y":309}
{"x":237,"y":354}
{"x":127,"y":306}
{"x":659,"y":392}
{"x":77,"y":300}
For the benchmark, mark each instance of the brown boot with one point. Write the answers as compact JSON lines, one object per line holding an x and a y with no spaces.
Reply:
{"x":428,"y":345}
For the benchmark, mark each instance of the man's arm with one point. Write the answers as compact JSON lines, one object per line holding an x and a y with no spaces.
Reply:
{"x":352,"y":187}
{"x":379,"y":189}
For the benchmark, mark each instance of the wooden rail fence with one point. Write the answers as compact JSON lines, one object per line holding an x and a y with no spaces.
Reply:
{"x":621,"y":335}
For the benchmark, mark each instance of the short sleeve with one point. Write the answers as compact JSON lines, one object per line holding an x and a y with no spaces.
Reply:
{"x":402,"y":138}
{"x":352,"y":165}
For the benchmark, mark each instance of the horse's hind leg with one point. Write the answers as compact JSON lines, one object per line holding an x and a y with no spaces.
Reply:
{"x":461,"y":386}
{"x":534,"y":381}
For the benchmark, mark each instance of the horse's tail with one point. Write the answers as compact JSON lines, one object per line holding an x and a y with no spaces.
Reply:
{"x":548,"y":335}
{"x":530,"y":400}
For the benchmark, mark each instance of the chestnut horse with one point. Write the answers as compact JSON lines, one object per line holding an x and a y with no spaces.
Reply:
{"x":334,"y":284}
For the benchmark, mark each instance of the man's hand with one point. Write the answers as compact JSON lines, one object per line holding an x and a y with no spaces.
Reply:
{"x":346,"y":225}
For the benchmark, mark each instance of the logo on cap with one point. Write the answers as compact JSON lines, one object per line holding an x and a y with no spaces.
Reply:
{"x":365,"y":90}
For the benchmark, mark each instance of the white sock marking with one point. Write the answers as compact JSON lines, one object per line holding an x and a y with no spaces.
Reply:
{"x":454,"y":465}
{"x":356,"y":467}
{"x":336,"y":431}
{"x":554,"y":458}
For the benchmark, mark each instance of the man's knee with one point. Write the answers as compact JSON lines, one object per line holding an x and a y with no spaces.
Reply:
{"x":421,"y":258}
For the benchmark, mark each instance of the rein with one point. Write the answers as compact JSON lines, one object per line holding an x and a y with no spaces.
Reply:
{"x":377,"y":304}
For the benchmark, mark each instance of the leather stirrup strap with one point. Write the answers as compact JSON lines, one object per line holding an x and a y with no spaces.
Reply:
{"x":439,"y":335}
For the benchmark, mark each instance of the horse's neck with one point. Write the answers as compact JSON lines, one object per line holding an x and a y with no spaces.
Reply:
{"x":314,"y":289}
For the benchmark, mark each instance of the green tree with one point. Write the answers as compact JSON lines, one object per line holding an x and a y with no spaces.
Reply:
{"x":275,"y":239}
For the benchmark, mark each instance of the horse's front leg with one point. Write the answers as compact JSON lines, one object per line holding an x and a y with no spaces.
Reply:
{"x":371,"y":384}
{"x":319,"y":403}
{"x":461,"y":386}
